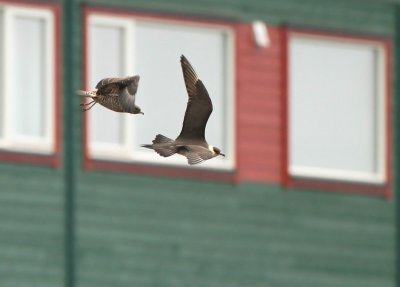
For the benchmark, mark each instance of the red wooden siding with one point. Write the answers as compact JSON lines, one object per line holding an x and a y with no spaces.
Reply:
{"x":259,"y":119}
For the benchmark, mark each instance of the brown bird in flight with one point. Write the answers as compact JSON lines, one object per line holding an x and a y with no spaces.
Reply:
{"x":191,"y":142}
{"x":116,"y":94}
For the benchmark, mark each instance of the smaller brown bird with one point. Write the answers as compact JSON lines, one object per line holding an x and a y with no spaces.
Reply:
{"x":116,"y":94}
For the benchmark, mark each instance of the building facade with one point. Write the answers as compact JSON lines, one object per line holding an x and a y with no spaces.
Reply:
{"x":309,"y":123}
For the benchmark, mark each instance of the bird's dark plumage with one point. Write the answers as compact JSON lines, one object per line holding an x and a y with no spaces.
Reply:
{"x":199,"y":106}
{"x":117,"y":94}
{"x":191,"y":142}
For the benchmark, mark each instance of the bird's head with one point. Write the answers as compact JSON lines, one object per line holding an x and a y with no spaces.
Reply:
{"x":138,"y":111}
{"x":216,"y":151}
{"x":136,"y":79}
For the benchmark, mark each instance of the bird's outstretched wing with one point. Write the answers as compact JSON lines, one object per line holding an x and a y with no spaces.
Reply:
{"x":198,"y":157}
{"x":127,"y":101}
{"x":108,"y":84}
{"x":199,"y":106}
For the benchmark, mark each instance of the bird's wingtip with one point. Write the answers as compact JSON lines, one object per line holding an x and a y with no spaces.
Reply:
{"x":183,"y":58}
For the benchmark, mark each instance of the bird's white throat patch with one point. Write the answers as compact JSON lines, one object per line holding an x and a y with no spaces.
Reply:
{"x":211,"y":148}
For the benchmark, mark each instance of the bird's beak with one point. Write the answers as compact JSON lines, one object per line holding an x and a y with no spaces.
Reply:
{"x":142,"y":113}
{"x":222,"y":154}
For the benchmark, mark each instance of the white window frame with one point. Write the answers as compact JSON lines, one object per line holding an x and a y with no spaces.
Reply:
{"x":126,"y":152}
{"x":380,"y":176}
{"x":108,"y":150}
{"x":9,"y":141}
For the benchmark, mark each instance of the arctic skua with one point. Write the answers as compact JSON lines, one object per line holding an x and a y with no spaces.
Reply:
{"x":116,"y":94}
{"x":191,"y":142}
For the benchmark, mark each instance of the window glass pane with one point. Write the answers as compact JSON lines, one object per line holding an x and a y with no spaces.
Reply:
{"x":28,"y":78}
{"x":1,"y":73}
{"x":106,"y":60}
{"x":162,"y":94}
{"x":333,"y":105}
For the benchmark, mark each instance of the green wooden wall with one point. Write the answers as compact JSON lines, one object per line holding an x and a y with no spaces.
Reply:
{"x":31,"y":226}
{"x":143,"y":231}
{"x":166,"y":232}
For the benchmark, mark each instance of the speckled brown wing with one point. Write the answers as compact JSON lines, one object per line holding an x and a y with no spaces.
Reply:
{"x":125,"y":88}
{"x":199,"y":106}
{"x":122,"y":81}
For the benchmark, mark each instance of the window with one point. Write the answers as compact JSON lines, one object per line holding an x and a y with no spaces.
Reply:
{"x":336,"y":108}
{"x":109,"y":56}
{"x":120,"y":46}
{"x":27,"y":79}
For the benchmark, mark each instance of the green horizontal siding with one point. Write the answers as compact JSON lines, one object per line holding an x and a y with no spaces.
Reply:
{"x":31,"y":226}
{"x":141,"y":231}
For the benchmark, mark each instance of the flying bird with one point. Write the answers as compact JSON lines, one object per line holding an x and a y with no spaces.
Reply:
{"x":116,"y":94}
{"x":191,"y":142}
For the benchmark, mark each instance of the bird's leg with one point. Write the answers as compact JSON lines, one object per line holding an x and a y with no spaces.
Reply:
{"x":85,"y":104}
{"x":86,"y":109}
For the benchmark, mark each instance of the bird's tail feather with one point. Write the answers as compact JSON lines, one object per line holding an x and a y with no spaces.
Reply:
{"x":85,"y":93}
{"x":163,"y":150}
{"x":162,"y":139}
{"x":147,"y":146}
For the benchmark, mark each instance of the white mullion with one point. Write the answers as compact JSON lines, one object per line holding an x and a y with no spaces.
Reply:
{"x":49,"y":84}
{"x":8,"y":55}
{"x":128,"y":126}
{"x":381,"y":113}
{"x":230,"y":96}
{"x":335,"y":174}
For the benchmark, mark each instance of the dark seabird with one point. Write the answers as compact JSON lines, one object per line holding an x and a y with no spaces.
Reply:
{"x":191,"y":142}
{"x":117,"y":94}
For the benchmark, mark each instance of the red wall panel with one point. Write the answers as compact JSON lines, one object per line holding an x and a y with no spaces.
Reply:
{"x":259,"y":118}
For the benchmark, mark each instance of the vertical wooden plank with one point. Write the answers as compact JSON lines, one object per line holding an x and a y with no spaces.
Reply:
{"x":396,"y":140}
{"x":69,"y":37}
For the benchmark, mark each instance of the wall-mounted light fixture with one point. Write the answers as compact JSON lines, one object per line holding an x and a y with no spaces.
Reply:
{"x":260,"y":34}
